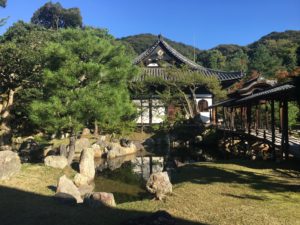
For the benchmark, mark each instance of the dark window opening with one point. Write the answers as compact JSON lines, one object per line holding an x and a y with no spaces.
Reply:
{"x":203,"y":106}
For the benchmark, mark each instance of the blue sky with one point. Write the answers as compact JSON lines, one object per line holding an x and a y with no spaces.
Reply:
{"x":207,"y":23}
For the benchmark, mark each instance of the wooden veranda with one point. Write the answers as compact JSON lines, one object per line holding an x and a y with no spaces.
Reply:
{"x":253,"y":118}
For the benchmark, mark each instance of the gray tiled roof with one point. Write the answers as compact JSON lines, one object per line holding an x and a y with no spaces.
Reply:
{"x":175,"y":53}
{"x":263,"y":95}
{"x":161,"y":72}
{"x":267,"y":93}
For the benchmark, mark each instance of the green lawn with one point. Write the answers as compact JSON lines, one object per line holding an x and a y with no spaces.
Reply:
{"x":228,"y":192}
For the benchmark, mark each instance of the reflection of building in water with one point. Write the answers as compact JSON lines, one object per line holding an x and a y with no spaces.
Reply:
{"x":112,"y":164}
{"x":144,"y":166}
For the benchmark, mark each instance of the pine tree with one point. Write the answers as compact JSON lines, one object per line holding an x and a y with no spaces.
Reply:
{"x":84,"y":81}
{"x":265,"y":63}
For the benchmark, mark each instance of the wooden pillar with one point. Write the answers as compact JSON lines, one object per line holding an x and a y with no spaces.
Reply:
{"x":280,"y":116}
{"x":242,"y":118}
{"x":142,"y":115}
{"x":257,"y":117}
{"x":216,"y":116}
{"x":151,"y":164}
{"x":273,"y":129}
{"x":150,"y":110}
{"x":224,"y":117}
{"x":267,"y":116}
{"x":249,"y":118}
{"x":232,"y":114}
{"x":285,"y":130}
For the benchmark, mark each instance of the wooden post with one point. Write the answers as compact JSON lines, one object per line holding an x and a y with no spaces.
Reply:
{"x":142,"y":113}
{"x":280,"y":117}
{"x":242,"y":114}
{"x":249,"y":118}
{"x":150,"y":110}
{"x":267,"y":116}
{"x":257,"y":118}
{"x":216,"y":116}
{"x":273,"y":129}
{"x":232,"y":118}
{"x":224,"y":117}
{"x":285,"y":128}
{"x":151,"y":165}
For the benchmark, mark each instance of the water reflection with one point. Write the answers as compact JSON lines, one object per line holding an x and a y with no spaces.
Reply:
{"x":112,"y":164}
{"x":146,"y":165}
{"x":143,"y":166}
{"x":126,"y":176}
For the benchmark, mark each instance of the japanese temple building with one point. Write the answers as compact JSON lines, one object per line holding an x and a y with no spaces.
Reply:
{"x":154,"y":62}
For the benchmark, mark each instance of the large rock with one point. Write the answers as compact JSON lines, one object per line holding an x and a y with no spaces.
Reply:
{"x":159,"y":184}
{"x":56,"y":161}
{"x":85,"y":132}
{"x":86,"y":189}
{"x":6,"y":148}
{"x":63,"y":150}
{"x":81,"y":144}
{"x":116,"y":150}
{"x":66,"y":189}
{"x":81,"y":180}
{"x":98,"y":151}
{"x":102,"y":143}
{"x":87,"y":164}
{"x":10,"y":164}
{"x":100,"y":199}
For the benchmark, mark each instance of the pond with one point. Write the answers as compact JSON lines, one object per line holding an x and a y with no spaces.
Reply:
{"x":126,"y":176}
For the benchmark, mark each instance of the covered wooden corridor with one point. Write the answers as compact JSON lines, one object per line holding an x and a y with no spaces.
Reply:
{"x":259,"y":113}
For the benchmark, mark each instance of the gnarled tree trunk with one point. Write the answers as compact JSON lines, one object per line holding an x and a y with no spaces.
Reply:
{"x":96,"y":129}
{"x":71,"y":147}
{"x":5,"y":108}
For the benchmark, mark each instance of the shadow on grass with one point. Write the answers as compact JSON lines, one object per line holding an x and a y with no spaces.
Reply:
{"x":24,"y":208}
{"x":291,"y":165}
{"x":205,"y":174}
{"x":246,"y":196}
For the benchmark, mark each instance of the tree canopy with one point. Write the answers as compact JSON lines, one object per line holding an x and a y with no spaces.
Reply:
{"x":20,"y":70}
{"x":84,"y":79}
{"x":3,"y":3}
{"x":54,"y":16}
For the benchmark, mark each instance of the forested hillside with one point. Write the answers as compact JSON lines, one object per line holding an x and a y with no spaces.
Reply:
{"x":272,"y":55}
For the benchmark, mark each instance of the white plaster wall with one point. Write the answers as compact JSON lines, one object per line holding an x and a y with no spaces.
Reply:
{"x":158,"y":111}
{"x":158,"y":115}
{"x":144,"y":116}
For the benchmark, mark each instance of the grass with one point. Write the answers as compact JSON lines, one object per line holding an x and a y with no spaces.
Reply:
{"x":226,"y":192}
